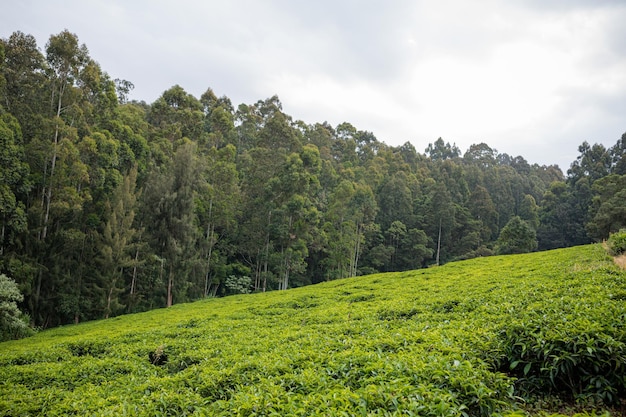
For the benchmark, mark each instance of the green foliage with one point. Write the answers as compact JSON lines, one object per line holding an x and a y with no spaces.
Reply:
{"x":617,"y":243}
{"x":503,"y":335}
{"x":238,"y":284}
{"x":13,"y":323}
{"x":516,"y":237}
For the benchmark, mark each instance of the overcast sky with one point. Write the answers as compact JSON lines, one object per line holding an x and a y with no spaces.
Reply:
{"x":530,"y":78}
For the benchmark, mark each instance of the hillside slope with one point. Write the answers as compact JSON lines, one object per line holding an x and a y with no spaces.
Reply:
{"x":467,"y":338}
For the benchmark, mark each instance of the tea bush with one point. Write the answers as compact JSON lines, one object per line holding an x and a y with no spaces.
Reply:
{"x":617,"y":243}
{"x":505,"y":335}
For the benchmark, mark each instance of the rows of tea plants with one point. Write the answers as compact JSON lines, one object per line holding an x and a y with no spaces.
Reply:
{"x":492,"y":336}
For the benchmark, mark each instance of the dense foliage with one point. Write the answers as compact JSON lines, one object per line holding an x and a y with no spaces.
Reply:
{"x":13,"y":323}
{"x":617,"y":243}
{"x":109,"y":206}
{"x":501,"y":335}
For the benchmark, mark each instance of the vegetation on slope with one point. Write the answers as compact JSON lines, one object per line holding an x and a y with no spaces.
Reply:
{"x":487,"y":336}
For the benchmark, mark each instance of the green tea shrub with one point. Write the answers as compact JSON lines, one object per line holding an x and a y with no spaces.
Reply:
{"x":504,"y":335}
{"x":577,"y":358}
{"x":617,"y":243}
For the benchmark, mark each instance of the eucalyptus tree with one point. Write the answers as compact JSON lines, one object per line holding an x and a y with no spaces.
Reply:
{"x":294,"y":192}
{"x":440,"y":150}
{"x":177,"y":115}
{"x":66,"y":58}
{"x":23,"y":75}
{"x":618,"y":156}
{"x":483,"y":210}
{"x":217,"y":207}
{"x":608,"y":211}
{"x":116,"y":246}
{"x":168,"y":209}
{"x":14,"y":182}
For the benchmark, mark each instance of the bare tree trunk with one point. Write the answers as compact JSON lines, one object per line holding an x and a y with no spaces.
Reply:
{"x":133,"y":281}
{"x":170,"y":285}
{"x":439,"y":242}
{"x":109,"y":297}
{"x":357,"y":251}
{"x":287,"y":268}
{"x":207,"y":280}
{"x":257,"y":271}
{"x":209,"y":235}
{"x":44,"y":231}
{"x":267,"y":251}
{"x":2,"y":239}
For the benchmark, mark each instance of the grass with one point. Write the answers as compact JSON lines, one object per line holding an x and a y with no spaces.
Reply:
{"x":529,"y":334}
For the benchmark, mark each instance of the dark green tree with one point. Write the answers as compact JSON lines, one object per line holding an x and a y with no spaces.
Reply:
{"x":608,"y":209}
{"x":440,"y":150}
{"x":168,"y":207}
{"x":14,"y":182}
{"x":117,"y":243}
{"x":516,"y":237}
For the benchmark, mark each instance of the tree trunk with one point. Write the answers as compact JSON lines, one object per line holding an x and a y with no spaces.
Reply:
{"x":207,"y":280}
{"x":108,"y":309}
{"x":356,"y":253}
{"x":439,"y":242}
{"x":133,"y":281}
{"x":44,"y":231}
{"x":267,"y":251}
{"x":170,"y":285}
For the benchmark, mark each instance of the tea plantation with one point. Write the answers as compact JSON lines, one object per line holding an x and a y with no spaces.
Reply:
{"x":533,"y":334}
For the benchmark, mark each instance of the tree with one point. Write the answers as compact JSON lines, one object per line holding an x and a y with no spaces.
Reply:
{"x":594,"y":162}
{"x":340,"y":229}
{"x":65,"y":59}
{"x":618,"y":156}
{"x":168,"y":205}
{"x":13,"y":323}
{"x":481,"y":155}
{"x":177,"y":114}
{"x":440,"y":150}
{"x":608,"y":211}
{"x":482,"y":209}
{"x":516,"y":237}
{"x":217,"y":205}
{"x":529,"y":211}
{"x":117,"y":239}
{"x":14,"y":184}
{"x":23,"y":72}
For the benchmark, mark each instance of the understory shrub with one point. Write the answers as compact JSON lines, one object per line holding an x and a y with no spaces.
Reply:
{"x":13,"y":323}
{"x":617,"y":243}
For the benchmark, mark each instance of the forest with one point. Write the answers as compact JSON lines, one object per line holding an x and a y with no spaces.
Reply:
{"x":111,"y":206}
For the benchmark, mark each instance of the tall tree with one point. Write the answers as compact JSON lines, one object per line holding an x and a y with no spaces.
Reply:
{"x":66,"y":58}
{"x":608,"y":211}
{"x":516,"y":237}
{"x":217,"y":205}
{"x":482,"y":209}
{"x":618,"y":156}
{"x":440,"y":150}
{"x":117,"y":239}
{"x":14,"y":183}
{"x":168,"y":205}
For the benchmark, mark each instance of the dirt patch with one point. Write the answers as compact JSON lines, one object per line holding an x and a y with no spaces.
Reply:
{"x":620,"y":260}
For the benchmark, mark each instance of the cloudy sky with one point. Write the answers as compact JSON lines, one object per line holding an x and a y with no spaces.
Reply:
{"x":534,"y":78}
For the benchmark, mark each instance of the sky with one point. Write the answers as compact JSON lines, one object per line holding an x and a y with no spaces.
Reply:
{"x":533,"y":78}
